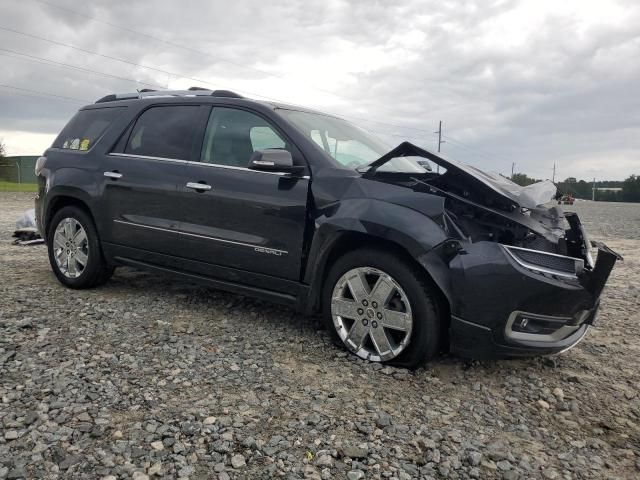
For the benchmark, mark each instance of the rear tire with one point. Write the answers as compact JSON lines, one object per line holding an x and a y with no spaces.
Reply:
{"x":74,"y":248}
{"x":396,"y":315}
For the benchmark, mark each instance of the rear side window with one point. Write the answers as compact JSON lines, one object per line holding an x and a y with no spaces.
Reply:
{"x":86,"y":128}
{"x":165,"y":132}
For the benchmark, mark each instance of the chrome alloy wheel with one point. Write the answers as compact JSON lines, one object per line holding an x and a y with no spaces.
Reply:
{"x":371,"y":314}
{"x":70,"y":247}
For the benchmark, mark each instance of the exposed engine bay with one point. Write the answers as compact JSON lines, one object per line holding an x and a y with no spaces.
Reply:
{"x":485,"y":207}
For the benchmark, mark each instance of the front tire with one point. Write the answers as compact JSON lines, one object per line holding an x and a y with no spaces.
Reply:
{"x":74,"y":250}
{"x":382,"y":308}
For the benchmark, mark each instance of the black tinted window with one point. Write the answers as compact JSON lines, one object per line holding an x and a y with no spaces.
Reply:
{"x":233,"y":135}
{"x":166,"y":132}
{"x":86,"y":128}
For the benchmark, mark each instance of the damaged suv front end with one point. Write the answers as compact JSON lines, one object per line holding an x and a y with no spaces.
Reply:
{"x":518,"y":275}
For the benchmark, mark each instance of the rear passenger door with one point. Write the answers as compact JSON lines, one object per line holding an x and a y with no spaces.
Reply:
{"x":140,"y":200}
{"x":243,"y":225}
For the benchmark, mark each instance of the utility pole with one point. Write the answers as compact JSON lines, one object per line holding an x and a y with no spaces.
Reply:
{"x":553,"y":179}
{"x":440,"y":141}
{"x":593,"y":190}
{"x":513,"y":165}
{"x":439,"y":135}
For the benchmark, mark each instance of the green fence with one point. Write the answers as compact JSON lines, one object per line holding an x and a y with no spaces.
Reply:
{"x":17,"y":173}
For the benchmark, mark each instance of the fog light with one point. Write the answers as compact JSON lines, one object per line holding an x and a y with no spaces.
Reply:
{"x":537,"y":324}
{"x":523,"y":326}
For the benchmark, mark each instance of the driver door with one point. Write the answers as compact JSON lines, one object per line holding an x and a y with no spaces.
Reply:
{"x":240,"y":224}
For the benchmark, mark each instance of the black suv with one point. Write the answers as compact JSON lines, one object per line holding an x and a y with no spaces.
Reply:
{"x":404,"y":251}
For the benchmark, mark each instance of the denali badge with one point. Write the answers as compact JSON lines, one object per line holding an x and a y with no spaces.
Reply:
{"x":270,"y":251}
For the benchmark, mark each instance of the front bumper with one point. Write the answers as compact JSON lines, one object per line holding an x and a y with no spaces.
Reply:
{"x":501,"y":308}
{"x":475,"y":341}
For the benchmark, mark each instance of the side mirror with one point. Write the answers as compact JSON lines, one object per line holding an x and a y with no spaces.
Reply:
{"x":274,"y":160}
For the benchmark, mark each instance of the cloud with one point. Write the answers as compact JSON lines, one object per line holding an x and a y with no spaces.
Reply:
{"x":530,"y":82}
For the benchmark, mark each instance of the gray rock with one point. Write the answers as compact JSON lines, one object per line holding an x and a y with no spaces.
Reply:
{"x":178,"y":447}
{"x":324,"y":460}
{"x":16,"y":473}
{"x":84,"y":417}
{"x":238,"y":461}
{"x":186,"y":471}
{"x":355,"y":452}
{"x":510,"y":475}
{"x":383,"y":420}
{"x":31,"y":418}
{"x":355,"y":475}
{"x":474,"y":458}
{"x":69,"y":461}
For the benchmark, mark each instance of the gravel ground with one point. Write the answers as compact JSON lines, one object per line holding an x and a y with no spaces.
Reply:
{"x":149,"y":377}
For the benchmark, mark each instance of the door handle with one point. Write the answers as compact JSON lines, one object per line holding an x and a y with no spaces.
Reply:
{"x":114,"y":175}
{"x":198,"y":186}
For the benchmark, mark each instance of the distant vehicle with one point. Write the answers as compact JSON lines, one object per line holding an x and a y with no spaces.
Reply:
{"x":303,"y":208}
{"x":566,"y":199}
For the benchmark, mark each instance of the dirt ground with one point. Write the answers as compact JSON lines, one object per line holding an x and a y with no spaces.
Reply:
{"x":149,"y":377}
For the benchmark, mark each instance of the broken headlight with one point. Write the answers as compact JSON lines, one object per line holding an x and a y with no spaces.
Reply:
{"x":543,"y":262}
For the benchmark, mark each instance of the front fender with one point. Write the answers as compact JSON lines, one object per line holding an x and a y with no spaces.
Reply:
{"x":411,"y":230}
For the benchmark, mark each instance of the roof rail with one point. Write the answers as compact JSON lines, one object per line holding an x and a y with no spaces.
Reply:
{"x":192,"y":92}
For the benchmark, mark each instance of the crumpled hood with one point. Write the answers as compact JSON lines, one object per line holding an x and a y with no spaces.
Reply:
{"x":530,"y":196}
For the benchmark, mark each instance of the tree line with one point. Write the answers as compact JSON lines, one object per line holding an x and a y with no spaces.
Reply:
{"x":630,"y":188}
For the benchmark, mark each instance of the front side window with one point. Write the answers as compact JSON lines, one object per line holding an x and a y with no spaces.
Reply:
{"x":86,"y":127}
{"x":165,"y":132}
{"x":233,"y":135}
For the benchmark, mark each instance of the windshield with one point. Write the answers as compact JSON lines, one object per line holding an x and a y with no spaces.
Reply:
{"x":349,"y":146}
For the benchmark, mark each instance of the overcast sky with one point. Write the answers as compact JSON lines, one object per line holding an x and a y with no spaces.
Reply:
{"x":532,"y":82}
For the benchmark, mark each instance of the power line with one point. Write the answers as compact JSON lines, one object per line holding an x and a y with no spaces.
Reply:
{"x":176,"y":74}
{"x":181,"y":46}
{"x":475,"y":150}
{"x":206,"y":54}
{"x":91,"y":52}
{"x":47,"y":61}
{"x":130,"y":62}
{"x":47,"y":94}
{"x":39,"y":96}
{"x":198,"y":80}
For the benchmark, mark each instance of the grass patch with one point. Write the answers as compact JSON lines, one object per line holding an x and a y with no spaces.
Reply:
{"x":18,"y":187}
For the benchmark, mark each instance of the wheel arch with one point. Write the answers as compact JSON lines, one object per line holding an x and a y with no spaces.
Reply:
{"x":406,"y":232}
{"x":64,"y":199}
